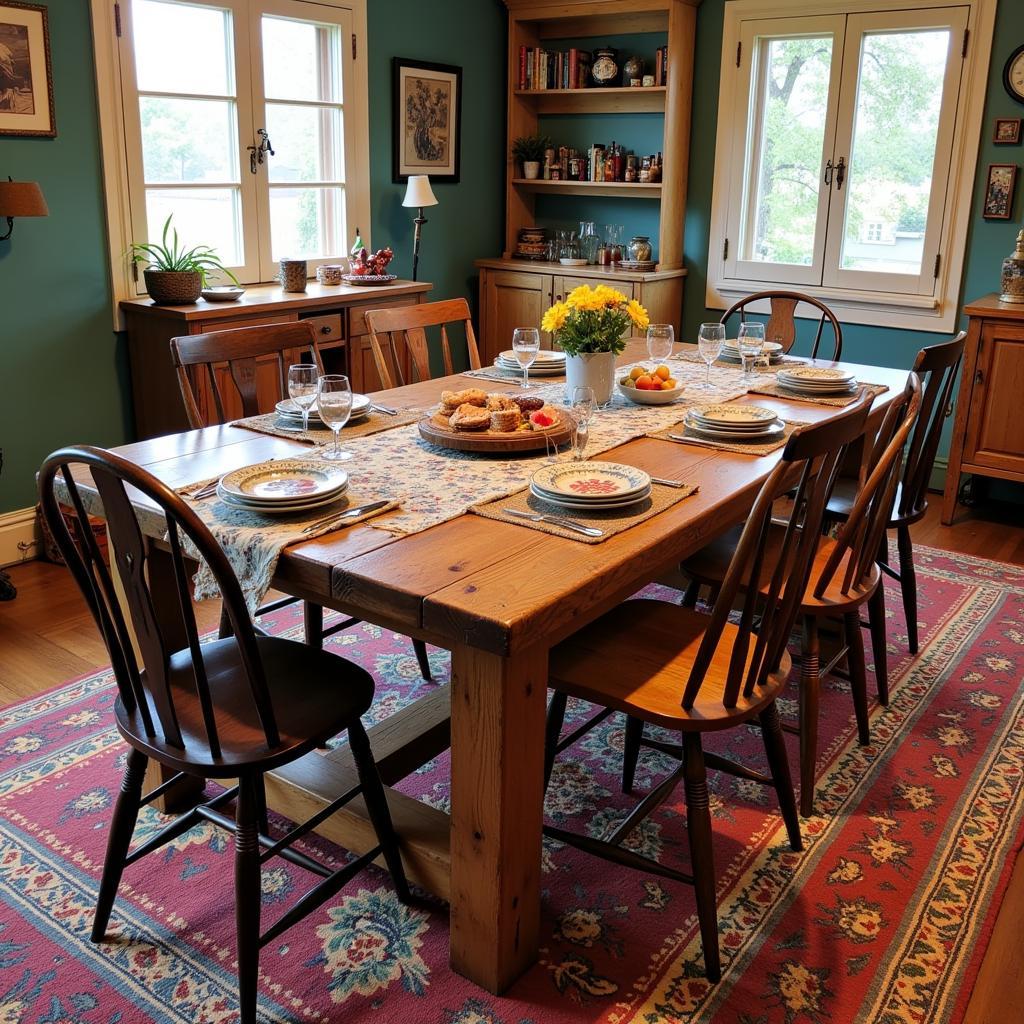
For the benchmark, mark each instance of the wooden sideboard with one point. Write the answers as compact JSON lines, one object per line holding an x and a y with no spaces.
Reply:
{"x":988,"y":433}
{"x":338,"y":313}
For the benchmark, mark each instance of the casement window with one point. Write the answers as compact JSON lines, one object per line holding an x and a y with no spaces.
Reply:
{"x":246,"y":121}
{"x":847,"y":134}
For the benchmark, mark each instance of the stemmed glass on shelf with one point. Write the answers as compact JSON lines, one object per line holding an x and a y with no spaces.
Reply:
{"x":302,"y":389}
{"x":526,"y":345}
{"x":584,"y":402}
{"x":660,"y":340}
{"x":710,"y":339}
{"x":335,"y":402}
{"x":750,"y":341}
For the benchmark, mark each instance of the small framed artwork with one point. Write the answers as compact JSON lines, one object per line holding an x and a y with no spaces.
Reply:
{"x":999,"y":186}
{"x":26,"y":77}
{"x":427,"y":119}
{"x":1007,"y":131}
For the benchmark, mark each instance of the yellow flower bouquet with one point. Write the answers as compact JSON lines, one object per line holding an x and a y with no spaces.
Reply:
{"x":594,"y":320}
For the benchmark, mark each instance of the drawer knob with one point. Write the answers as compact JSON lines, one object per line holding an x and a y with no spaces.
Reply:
{"x":325,"y":329}
{"x":979,"y":377}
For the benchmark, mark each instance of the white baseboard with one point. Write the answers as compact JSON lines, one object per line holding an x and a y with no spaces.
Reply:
{"x":19,"y":536}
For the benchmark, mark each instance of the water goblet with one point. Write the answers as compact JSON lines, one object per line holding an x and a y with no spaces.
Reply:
{"x":302,"y":389}
{"x":584,"y":402}
{"x":750,"y":341}
{"x":710,"y":339}
{"x":335,"y":403}
{"x":526,"y":345}
{"x":660,"y":339}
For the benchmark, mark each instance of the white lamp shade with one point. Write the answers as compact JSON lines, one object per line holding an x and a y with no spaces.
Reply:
{"x":418,"y":191}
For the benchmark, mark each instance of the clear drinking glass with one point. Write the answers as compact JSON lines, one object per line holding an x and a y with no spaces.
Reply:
{"x":750,"y":341}
{"x":302,"y":389}
{"x":660,"y":339}
{"x":526,"y":345}
{"x":584,"y":402}
{"x":335,"y":402}
{"x":710,"y":339}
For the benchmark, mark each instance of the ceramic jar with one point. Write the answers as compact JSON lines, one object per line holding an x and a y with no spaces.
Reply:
{"x":293,"y":275}
{"x":639,"y":248}
{"x":330,"y":273}
{"x":591,"y":369}
{"x":605,"y":69}
{"x":1012,"y":280}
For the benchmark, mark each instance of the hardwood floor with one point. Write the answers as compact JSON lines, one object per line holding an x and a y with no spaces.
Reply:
{"x":47,"y":638}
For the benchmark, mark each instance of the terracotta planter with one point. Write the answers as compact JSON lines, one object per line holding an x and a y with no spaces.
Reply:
{"x":173,"y":287}
{"x":593,"y":369}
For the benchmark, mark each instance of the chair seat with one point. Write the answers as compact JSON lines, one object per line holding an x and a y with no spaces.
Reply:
{"x":711,"y":563}
{"x":315,"y":695}
{"x":638,"y":657}
{"x":844,"y":494}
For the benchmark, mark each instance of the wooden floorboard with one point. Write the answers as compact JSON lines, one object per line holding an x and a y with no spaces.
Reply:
{"x":47,"y":638}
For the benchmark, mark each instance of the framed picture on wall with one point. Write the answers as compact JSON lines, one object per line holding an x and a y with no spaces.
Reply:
{"x":1007,"y":131}
{"x":26,"y":77}
{"x":427,"y":129}
{"x":999,"y":186}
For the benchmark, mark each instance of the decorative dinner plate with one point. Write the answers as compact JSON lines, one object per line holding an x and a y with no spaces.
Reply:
{"x":816,"y":374}
{"x":590,"y":505}
{"x":595,"y":481}
{"x":284,"y":481}
{"x":369,"y":279}
{"x":545,"y":355}
{"x":289,"y":410}
{"x":769,"y":433}
{"x":280,"y":509}
{"x":731,"y":345}
{"x":739,"y":417}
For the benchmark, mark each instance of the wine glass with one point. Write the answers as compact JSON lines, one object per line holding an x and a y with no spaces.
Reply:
{"x":660,"y":339}
{"x":335,"y":402}
{"x":526,"y":345}
{"x":584,"y":402}
{"x":710,"y":338}
{"x":750,"y":341}
{"x":302,"y":389}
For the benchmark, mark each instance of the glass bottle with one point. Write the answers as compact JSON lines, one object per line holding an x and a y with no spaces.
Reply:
{"x":588,"y":241}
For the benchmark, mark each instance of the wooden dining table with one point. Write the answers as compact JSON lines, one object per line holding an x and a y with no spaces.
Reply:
{"x":498,"y":596}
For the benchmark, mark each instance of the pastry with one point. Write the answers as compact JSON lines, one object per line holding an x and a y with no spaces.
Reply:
{"x":470,"y":417}
{"x":528,"y":404}
{"x":498,"y":402}
{"x":451,"y":400}
{"x":505,"y":420}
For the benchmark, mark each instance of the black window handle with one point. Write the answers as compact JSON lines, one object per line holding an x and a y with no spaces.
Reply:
{"x":840,"y":172}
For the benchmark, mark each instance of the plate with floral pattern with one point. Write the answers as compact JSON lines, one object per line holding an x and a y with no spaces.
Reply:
{"x":284,"y":481}
{"x":597,"y":481}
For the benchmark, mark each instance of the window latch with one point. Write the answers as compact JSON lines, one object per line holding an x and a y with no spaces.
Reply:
{"x":828,"y":173}
{"x":840,"y":172}
{"x":257,"y":152}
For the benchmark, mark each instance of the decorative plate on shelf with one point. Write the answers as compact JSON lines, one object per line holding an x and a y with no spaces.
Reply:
{"x":369,"y":279}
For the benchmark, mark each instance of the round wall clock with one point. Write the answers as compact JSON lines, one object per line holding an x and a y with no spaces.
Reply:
{"x":1013,"y":75}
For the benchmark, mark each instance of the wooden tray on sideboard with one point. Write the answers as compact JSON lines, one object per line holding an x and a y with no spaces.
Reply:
{"x":493,"y":442}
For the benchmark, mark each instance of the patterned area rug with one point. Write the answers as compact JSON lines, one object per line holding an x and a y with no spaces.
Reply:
{"x":883,"y":918}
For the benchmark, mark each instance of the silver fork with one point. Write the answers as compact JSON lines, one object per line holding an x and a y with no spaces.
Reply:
{"x":567,"y":524}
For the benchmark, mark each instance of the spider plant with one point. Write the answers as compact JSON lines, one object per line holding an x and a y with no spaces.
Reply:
{"x":168,"y":255}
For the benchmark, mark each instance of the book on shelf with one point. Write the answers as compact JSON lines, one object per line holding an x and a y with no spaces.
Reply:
{"x":541,"y":69}
{"x":661,"y":66}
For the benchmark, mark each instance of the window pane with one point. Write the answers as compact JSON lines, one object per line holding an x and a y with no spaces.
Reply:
{"x":181,"y":48}
{"x":202,"y":216}
{"x":307,"y":222}
{"x":307,"y":143}
{"x":895,"y":128}
{"x":301,"y":60}
{"x":786,"y":140}
{"x":188,"y":140}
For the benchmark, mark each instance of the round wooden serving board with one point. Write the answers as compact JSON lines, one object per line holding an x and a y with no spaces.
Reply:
{"x":435,"y":429}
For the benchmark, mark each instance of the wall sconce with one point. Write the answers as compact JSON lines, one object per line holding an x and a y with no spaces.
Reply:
{"x":20,"y":199}
{"x":418,"y":193}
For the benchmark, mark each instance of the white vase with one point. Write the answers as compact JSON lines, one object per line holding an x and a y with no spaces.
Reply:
{"x":531,"y":169}
{"x":591,"y":369}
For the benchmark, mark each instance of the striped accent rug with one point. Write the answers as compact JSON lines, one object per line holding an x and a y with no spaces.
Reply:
{"x":883,"y":918}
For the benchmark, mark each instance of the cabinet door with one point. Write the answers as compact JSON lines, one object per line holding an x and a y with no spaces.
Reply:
{"x":365,"y":377}
{"x":995,"y":427}
{"x":511,"y":299}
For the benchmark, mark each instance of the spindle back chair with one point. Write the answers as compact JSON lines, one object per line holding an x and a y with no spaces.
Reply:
{"x":781,"y":323}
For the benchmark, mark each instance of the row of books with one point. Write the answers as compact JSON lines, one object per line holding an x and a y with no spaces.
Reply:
{"x":661,"y":66}
{"x":546,"y":69}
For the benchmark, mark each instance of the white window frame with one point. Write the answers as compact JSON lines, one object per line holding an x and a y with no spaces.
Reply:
{"x":119,"y":179}
{"x":729,"y":279}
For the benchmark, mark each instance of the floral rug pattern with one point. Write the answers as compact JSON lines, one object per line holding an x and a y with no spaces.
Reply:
{"x":883,"y":918}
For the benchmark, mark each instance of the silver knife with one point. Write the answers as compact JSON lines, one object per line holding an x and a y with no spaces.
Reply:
{"x":349,"y":513}
{"x":386,"y":410}
{"x":567,"y":524}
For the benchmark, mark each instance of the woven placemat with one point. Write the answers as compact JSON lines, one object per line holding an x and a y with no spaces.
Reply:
{"x":661,"y":498}
{"x":840,"y":401}
{"x":680,"y":430}
{"x":510,"y":377}
{"x":693,"y":357}
{"x":270,"y":423}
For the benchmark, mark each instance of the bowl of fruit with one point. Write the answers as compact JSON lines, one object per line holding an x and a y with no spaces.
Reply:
{"x":650,"y":387}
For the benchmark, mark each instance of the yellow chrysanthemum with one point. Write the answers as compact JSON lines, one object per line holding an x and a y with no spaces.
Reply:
{"x":584,"y":298}
{"x":637,"y":314}
{"x":554,"y":319}
{"x":609,"y":296}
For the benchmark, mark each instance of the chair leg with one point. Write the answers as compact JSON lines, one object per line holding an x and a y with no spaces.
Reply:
{"x":262,"y":819}
{"x":698,"y":827}
{"x":421,"y":656}
{"x":809,"y":699}
{"x":313,"y":621}
{"x":247,"y":895}
{"x":631,"y":751}
{"x":224,"y":628}
{"x":908,"y":584}
{"x":691,"y":594}
{"x":552,"y":730}
{"x":377,"y":805}
{"x":126,"y":812}
{"x":876,"y":617}
{"x":858,"y":675}
{"x":778,"y":764}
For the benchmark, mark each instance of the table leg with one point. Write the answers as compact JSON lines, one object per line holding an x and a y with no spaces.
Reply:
{"x":498,"y":708}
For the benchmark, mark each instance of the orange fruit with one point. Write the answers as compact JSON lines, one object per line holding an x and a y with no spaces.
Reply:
{"x":645,"y":383}
{"x":663,"y":372}
{"x":637,"y":371}
{"x":668,"y":385}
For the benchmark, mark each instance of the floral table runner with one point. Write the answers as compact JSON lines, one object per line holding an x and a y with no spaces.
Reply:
{"x":374,"y":423}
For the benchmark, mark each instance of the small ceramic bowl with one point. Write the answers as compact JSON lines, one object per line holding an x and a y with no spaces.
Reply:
{"x":223,"y":293}
{"x":649,"y":397}
{"x":330,"y":273}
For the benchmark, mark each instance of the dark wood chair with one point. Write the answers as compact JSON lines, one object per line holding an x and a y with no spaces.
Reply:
{"x":937,"y":366}
{"x":844,"y":579}
{"x":230,"y":709}
{"x":694,"y":673}
{"x":781,"y":324}
{"x":239,"y":352}
{"x":404,"y":331}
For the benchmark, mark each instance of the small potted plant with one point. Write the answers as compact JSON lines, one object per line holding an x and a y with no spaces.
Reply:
{"x":529,"y":151}
{"x":173,"y":274}
{"x":590,"y":326}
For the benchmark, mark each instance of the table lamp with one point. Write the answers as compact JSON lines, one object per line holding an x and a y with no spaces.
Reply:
{"x":419,"y":194}
{"x":20,"y":199}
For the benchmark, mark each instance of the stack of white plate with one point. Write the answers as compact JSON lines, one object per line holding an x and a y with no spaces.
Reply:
{"x":282,"y":486}
{"x":549,"y":363}
{"x":290,"y":415}
{"x":735,"y":423}
{"x":590,"y":486}
{"x":817,"y":380}
{"x":731,"y":351}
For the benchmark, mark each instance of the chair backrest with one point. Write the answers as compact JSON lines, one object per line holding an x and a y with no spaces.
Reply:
{"x":407,"y":325}
{"x":937,"y":366}
{"x":781,"y":325}
{"x":861,"y":534}
{"x":811,"y":460}
{"x":242,"y":349}
{"x":160,"y":610}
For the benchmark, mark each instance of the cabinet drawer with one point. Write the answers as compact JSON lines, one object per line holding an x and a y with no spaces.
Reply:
{"x":330,"y":330}
{"x":995,"y":436}
{"x":357,"y":313}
